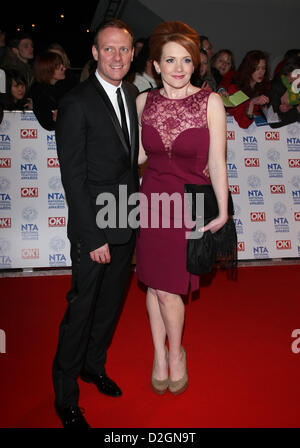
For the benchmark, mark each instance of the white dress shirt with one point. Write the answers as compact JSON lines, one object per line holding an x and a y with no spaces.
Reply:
{"x":111,"y":92}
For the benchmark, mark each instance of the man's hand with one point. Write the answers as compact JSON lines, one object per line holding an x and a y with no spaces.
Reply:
{"x":54,"y":114}
{"x":101,"y":255}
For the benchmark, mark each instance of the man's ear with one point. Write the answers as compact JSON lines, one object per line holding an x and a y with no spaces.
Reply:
{"x":15,"y":51}
{"x":95,"y":53}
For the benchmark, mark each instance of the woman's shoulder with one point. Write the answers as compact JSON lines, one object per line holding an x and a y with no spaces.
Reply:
{"x":215,"y":100}
{"x":216,"y":112}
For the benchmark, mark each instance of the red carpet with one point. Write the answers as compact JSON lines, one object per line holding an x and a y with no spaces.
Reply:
{"x":238,"y":337}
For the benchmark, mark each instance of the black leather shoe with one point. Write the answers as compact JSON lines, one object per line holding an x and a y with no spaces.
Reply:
{"x":104,"y":384}
{"x":72,"y":417}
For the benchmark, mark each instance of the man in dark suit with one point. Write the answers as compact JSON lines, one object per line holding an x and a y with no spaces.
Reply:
{"x":97,"y":145}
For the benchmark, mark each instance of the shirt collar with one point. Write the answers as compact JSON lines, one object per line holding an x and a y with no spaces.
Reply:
{"x":109,"y":88}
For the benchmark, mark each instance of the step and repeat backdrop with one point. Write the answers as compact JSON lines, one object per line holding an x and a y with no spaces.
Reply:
{"x":33,"y":210}
{"x":263,"y":173}
{"x":264,"y":176}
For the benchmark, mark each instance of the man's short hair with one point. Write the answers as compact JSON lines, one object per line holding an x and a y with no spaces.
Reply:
{"x":15,"y":41}
{"x":112,"y":23}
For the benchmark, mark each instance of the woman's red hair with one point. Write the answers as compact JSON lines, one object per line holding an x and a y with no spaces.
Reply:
{"x":178,"y":32}
{"x":242,"y":78}
{"x":45,"y":65}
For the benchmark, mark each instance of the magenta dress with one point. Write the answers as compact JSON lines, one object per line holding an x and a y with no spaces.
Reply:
{"x":175,"y":137}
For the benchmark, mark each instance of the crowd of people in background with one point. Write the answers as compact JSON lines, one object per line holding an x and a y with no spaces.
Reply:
{"x":39,"y":82}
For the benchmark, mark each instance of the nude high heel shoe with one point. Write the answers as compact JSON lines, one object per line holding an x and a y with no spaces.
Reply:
{"x":160,"y":386}
{"x":179,"y":386}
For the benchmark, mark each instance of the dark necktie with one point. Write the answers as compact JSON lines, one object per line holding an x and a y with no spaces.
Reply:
{"x":123,"y":117}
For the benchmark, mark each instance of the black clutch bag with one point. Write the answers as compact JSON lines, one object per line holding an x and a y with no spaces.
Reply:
{"x":203,"y":252}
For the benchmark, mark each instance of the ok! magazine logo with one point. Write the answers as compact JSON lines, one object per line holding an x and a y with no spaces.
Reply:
{"x":29,"y":192}
{"x":251,"y":162}
{"x":30,"y":254}
{"x":5,"y":223}
{"x":258,"y":216}
{"x":272,"y":135}
{"x":52,"y":162}
{"x":28,"y":133}
{"x":56,"y":221}
{"x":5,"y":162}
{"x":230,"y":135}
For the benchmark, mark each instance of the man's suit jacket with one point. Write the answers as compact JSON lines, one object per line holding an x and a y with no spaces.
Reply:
{"x":94,"y":158}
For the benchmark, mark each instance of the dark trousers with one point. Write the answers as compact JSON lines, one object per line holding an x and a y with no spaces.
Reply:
{"x":94,"y":301}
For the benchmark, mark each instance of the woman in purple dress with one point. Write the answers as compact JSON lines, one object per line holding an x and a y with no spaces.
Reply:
{"x":183,"y":128}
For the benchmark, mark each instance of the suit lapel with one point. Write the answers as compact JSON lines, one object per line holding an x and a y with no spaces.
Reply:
{"x":111,"y":111}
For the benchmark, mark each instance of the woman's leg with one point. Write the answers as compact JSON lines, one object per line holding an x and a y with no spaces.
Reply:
{"x":158,"y":330}
{"x":166,"y":314}
{"x":172,"y":313}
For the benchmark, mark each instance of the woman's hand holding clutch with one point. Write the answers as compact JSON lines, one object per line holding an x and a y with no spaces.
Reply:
{"x":215,"y":224}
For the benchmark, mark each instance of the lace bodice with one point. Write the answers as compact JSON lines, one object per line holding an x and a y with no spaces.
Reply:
{"x":171,"y":117}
